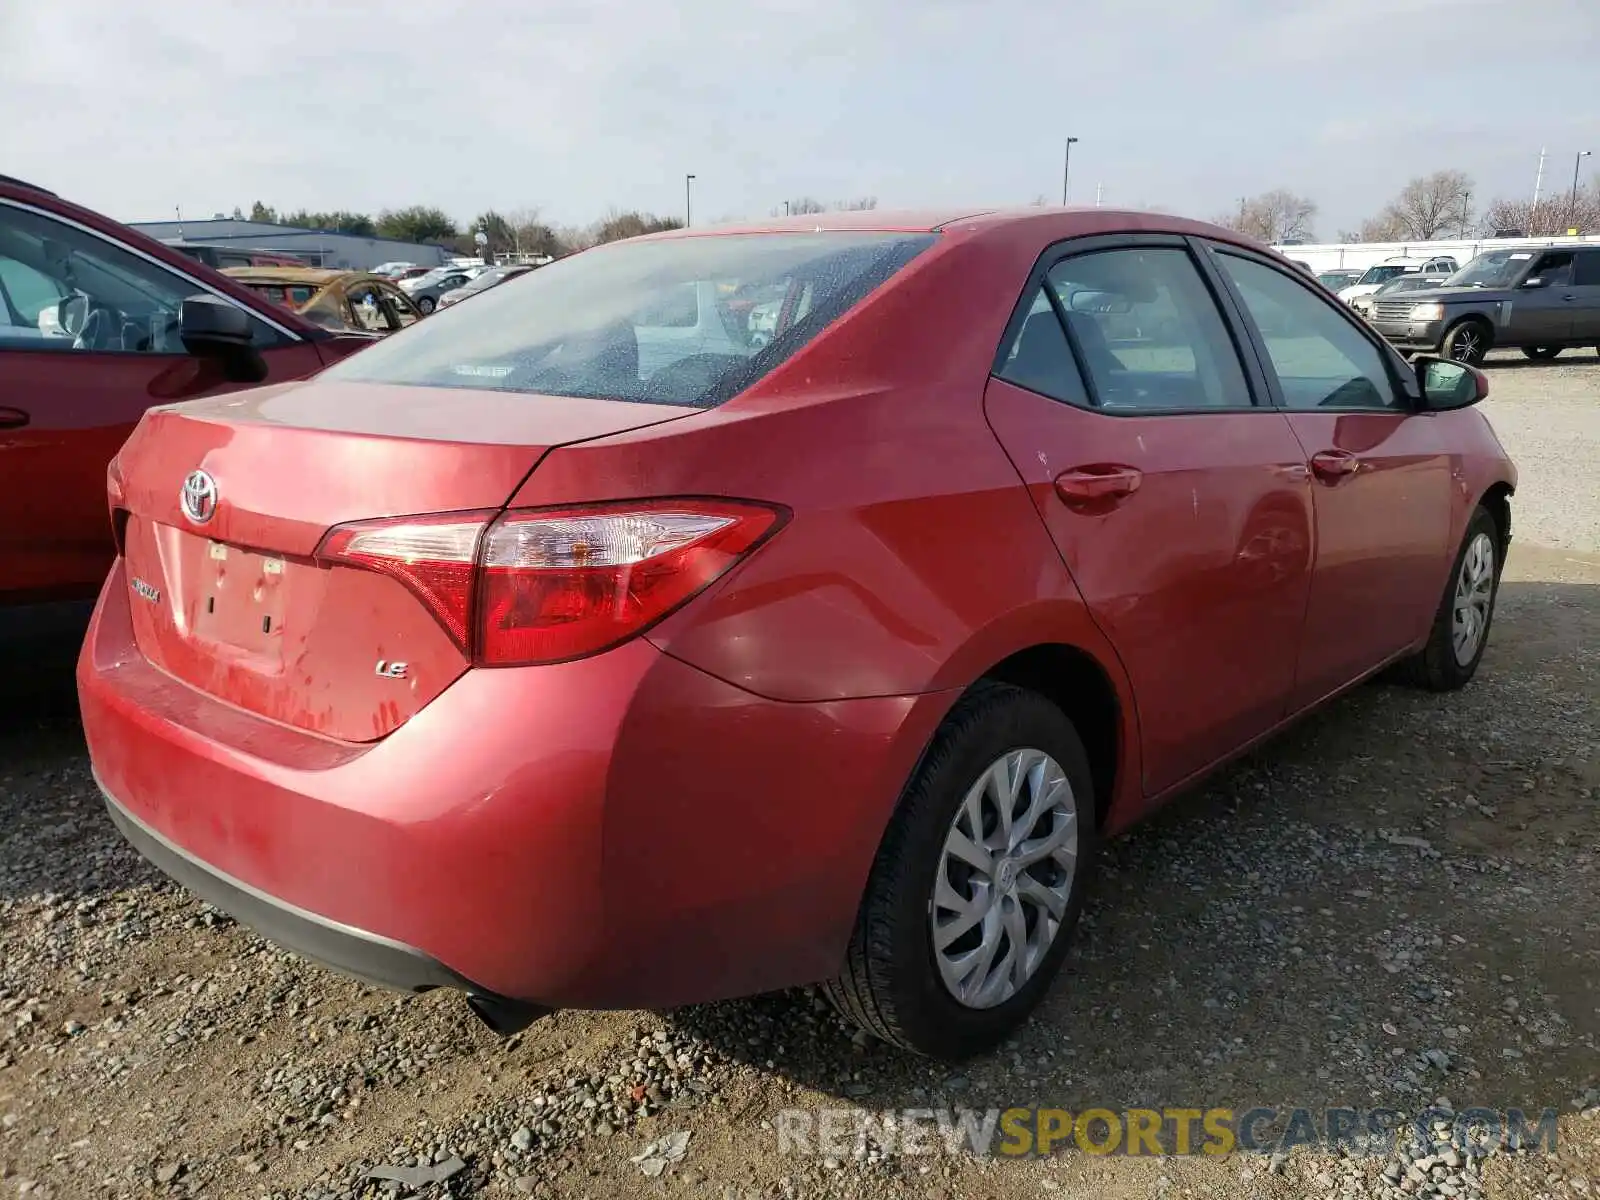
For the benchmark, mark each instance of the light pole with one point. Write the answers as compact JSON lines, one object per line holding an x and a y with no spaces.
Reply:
{"x":687,"y":180}
{"x":1066,"y":171}
{"x":1576,"y":163}
{"x":786,"y":208}
{"x":1466,"y":211}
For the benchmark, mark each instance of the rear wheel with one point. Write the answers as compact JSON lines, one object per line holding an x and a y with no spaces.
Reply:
{"x":978,"y":883}
{"x":1461,"y":626}
{"x":1468,"y":342}
{"x":1541,"y":353}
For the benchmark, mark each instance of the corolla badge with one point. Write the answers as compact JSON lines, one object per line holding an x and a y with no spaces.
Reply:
{"x":199,"y":497}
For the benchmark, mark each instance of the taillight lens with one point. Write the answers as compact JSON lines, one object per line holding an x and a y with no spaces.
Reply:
{"x":556,"y":584}
{"x":564,"y":584}
{"x":436,"y":557}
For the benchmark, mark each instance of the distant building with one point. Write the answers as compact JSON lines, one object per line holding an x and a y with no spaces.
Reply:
{"x":318,"y":247}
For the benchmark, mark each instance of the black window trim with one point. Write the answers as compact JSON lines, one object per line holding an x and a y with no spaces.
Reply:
{"x":1401,"y":376}
{"x":1076,"y":247}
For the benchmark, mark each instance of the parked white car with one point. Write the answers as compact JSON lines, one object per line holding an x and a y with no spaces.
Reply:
{"x":1375,"y":276}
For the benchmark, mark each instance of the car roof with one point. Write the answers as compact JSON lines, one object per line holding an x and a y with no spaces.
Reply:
{"x":23,"y":183}
{"x":310,"y":276}
{"x":1053,"y":222}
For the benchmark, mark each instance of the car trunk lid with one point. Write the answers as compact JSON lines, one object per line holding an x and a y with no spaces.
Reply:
{"x":229,"y":596}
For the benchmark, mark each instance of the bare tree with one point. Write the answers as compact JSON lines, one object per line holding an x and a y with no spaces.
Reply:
{"x":532,"y":235}
{"x":1555,"y":215}
{"x":571,"y":238}
{"x":619,"y":225}
{"x":1387,"y":226}
{"x":860,"y":204}
{"x":1276,"y":216}
{"x":1428,"y":207}
{"x":806,"y":204}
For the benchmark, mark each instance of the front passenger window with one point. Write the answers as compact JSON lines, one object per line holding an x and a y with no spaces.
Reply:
{"x":1320,"y":358}
{"x":122,"y":302}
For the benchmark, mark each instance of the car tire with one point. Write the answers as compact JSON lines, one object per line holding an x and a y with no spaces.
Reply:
{"x":1442,"y":666}
{"x":426,"y":305}
{"x":894,"y":979}
{"x":1468,"y":341}
{"x":1541,"y":353}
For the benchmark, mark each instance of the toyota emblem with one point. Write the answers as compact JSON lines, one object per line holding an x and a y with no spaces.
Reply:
{"x":199,"y":497}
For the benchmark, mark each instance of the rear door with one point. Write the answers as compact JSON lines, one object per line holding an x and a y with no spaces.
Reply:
{"x":1586,"y":305}
{"x":1180,"y":506}
{"x":1382,"y":475}
{"x":69,"y":397}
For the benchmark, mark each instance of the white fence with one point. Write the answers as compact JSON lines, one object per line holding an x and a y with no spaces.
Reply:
{"x":1328,"y":256}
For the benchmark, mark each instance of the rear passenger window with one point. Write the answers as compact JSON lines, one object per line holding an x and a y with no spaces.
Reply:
{"x":1147,"y":331}
{"x":1039,"y":358}
{"x":1320,"y":357}
{"x":1587,"y":271}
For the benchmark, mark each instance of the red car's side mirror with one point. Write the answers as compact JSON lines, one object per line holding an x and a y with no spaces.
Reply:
{"x":1447,"y":384}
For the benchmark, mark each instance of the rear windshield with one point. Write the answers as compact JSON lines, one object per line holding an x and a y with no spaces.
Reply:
{"x":1383,"y":274}
{"x":681,"y":321}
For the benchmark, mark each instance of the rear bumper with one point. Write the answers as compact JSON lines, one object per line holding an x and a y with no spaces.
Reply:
{"x":368,"y":956}
{"x":621,"y":831}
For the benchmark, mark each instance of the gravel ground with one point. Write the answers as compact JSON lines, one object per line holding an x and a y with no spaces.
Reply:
{"x":1390,"y":906}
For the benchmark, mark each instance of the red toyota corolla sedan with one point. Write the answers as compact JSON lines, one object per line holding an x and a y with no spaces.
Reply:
{"x":580,"y":647}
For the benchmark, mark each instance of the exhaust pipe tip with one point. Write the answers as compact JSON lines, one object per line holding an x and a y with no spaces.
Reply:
{"x":505,"y":1017}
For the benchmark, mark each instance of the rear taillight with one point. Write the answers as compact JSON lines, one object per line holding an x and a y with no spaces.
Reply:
{"x":436,"y":557}
{"x":549,"y":585}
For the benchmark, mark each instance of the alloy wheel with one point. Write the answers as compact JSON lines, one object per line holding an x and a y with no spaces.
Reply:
{"x":1005,"y":878}
{"x":1474,"y":593}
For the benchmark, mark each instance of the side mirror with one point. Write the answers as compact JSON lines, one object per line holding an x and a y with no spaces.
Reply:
{"x":212,"y":328}
{"x":1534,"y":281}
{"x":1447,"y":385}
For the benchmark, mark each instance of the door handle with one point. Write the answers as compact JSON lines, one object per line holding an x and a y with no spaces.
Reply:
{"x":12,"y":418}
{"x":1097,"y":484}
{"x":1333,"y":465}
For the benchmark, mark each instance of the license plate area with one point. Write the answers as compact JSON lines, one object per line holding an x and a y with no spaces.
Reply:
{"x":239,"y":600}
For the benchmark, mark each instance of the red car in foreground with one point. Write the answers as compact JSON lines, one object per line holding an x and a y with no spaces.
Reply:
{"x":98,"y":323}
{"x":568,"y":652}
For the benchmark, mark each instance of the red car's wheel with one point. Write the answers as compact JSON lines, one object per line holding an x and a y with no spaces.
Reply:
{"x":1461,"y":626}
{"x":979,"y":881}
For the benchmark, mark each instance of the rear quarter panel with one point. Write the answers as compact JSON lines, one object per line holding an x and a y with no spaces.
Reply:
{"x":913,"y":560}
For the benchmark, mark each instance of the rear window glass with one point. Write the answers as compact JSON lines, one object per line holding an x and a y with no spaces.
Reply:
{"x":289,"y":297}
{"x":691,"y":320}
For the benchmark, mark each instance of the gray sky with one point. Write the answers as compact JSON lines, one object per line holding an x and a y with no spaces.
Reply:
{"x":575,"y":107}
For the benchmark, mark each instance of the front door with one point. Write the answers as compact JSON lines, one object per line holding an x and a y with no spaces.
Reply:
{"x":1543,"y":316}
{"x":1382,"y":477}
{"x":1181,"y":508}
{"x":69,"y":397}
